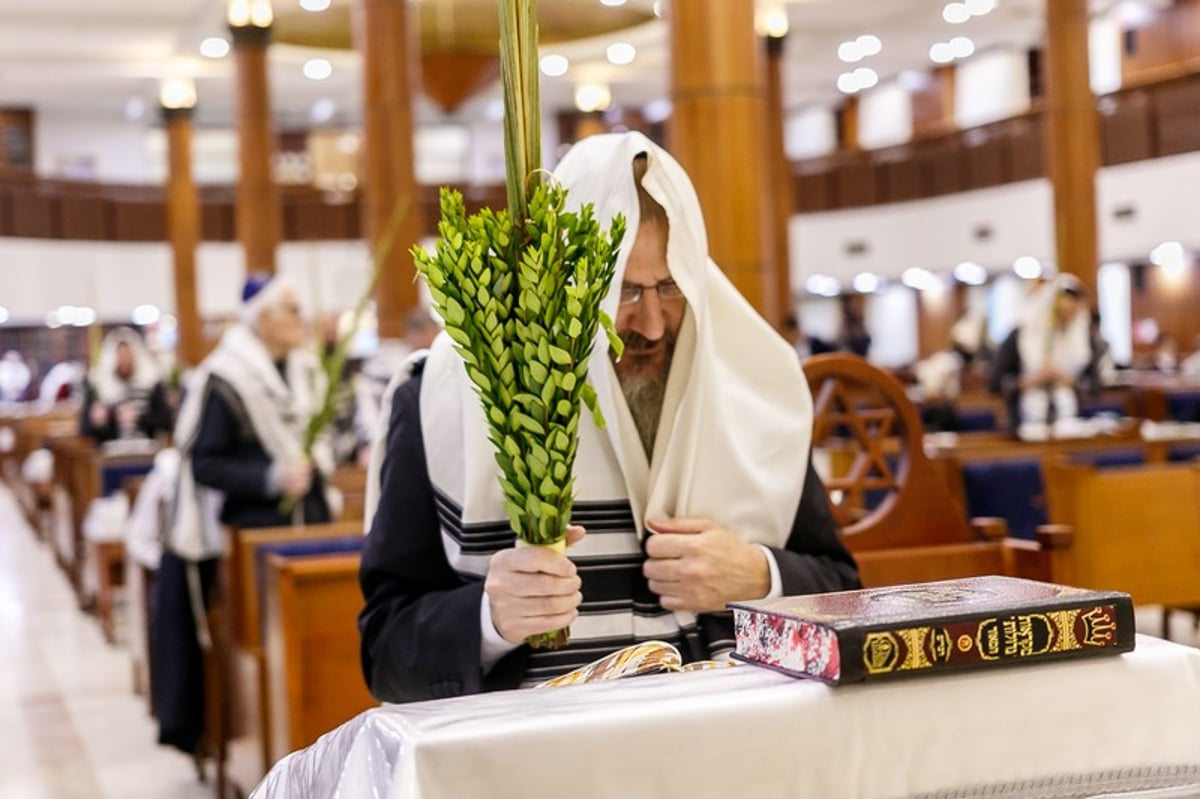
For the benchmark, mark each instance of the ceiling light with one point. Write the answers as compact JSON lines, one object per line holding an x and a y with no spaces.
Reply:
{"x":865,"y":77}
{"x":317,"y":68}
{"x":865,"y":282}
{"x":774,"y":23}
{"x":977,"y":8}
{"x":323,"y":110}
{"x":1171,"y":256}
{"x":177,"y":93}
{"x":592,"y":97}
{"x":941,"y":53}
{"x":145,"y":315}
{"x":961,"y":46}
{"x":918,"y":278}
{"x":1133,"y":14}
{"x":135,"y":108}
{"x":52,"y":320}
{"x":554,"y":65}
{"x":612,"y":3}
{"x":314,"y":5}
{"x":621,"y":53}
{"x":214,"y":47}
{"x":657,"y":110}
{"x":250,"y":13}
{"x":970,"y":273}
{"x":869,"y":44}
{"x":956,"y":13}
{"x":847,"y":83}
{"x":823,"y":285}
{"x":1027,"y":267}
{"x":850,"y":52}
{"x":3,"y":314}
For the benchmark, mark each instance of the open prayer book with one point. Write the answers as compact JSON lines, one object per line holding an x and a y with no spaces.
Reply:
{"x":649,"y":657}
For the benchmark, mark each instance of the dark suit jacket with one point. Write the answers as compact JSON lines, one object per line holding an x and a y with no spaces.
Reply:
{"x":421,"y":628}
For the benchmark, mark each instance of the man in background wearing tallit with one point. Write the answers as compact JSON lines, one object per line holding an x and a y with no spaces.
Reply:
{"x":1038,"y":365}
{"x":699,"y":491}
{"x":240,"y":438}
{"x":125,"y":396}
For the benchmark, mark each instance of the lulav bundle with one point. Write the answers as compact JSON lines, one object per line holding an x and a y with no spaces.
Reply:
{"x":523,"y":309}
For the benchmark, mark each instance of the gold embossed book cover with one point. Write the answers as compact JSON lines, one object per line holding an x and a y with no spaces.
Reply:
{"x":927,"y":628}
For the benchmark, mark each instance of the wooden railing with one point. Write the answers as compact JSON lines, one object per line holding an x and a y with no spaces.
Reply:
{"x":1138,"y":123}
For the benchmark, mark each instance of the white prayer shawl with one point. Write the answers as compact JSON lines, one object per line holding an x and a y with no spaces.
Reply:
{"x":278,"y":412}
{"x":109,"y":387}
{"x":1042,"y":343}
{"x":733,"y":439}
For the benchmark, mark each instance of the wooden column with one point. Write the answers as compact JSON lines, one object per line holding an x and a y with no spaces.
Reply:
{"x":183,"y":230}
{"x":848,"y":123}
{"x":389,"y":82}
{"x":258,"y":215}
{"x":1072,"y":139}
{"x":717,"y":133}
{"x":781,"y":183}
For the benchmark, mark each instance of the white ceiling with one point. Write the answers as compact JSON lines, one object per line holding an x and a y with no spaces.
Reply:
{"x":91,"y":57}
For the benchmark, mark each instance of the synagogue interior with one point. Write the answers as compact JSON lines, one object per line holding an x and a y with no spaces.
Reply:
{"x":333,"y":453}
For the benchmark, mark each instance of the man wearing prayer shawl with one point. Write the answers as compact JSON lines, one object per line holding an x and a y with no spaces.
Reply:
{"x":240,"y":436}
{"x":125,"y":395}
{"x":1038,"y":365}
{"x":699,"y":492}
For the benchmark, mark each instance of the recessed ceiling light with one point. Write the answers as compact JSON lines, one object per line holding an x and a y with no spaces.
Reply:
{"x":621,"y":53}
{"x":592,"y":97}
{"x":850,"y":52}
{"x":865,"y":77}
{"x":314,"y":5}
{"x":956,"y":13}
{"x":961,"y":46}
{"x":970,"y":273}
{"x":612,"y":3}
{"x":323,"y":110}
{"x":1027,"y":267}
{"x":317,"y":68}
{"x":977,"y":8}
{"x":865,"y":282}
{"x":941,"y":53}
{"x":214,"y":47}
{"x":869,"y":44}
{"x":918,"y":278}
{"x":847,"y":83}
{"x":775,"y":23}
{"x":554,"y":65}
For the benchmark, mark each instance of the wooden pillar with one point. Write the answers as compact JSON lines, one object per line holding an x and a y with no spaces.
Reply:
{"x":258,"y":214}
{"x":1072,"y":140}
{"x":781,"y":183}
{"x":389,"y":83}
{"x":183,"y":229}
{"x":717,"y":133}
{"x":848,"y":123}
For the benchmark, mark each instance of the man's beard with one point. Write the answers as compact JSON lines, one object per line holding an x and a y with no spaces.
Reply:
{"x":644,"y":384}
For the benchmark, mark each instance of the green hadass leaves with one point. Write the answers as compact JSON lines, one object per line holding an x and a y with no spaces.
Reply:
{"x":524,"y":319}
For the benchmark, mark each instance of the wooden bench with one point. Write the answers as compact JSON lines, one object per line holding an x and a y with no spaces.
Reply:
{"x":1136,"y":529}
{"x":245,"y":717}
{"x":314,"y":673}
{"x":896,"y":513}
{"x":352,"y":482}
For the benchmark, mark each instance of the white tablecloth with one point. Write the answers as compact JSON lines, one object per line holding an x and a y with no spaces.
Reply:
{"x":1109,"y":724}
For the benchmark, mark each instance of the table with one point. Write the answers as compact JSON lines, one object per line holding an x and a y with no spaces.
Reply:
{"x":1038,"y":731}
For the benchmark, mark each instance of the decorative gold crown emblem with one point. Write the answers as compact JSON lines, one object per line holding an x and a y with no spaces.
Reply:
{"x":1098,"y":627}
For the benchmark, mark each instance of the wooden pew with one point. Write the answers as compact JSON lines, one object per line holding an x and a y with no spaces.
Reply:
{"x":352,"y":482}
{"x":896,"y":513}
{"x":1136,"y":529}
{"x":315,"y":680}
{"x":244,"y":717}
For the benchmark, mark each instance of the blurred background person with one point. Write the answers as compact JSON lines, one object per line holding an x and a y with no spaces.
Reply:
{"x":1037,"y":366}
{"x":14,"y":377}
{"x":125,"y":397}
{"x":242,"y":463}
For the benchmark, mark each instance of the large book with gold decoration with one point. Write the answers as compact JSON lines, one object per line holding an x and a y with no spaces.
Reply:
{"x":930,"y":628}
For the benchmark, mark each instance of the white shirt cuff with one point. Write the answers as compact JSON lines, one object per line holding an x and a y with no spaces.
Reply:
{"x":492,"y":646}
{"x":773,"y":567}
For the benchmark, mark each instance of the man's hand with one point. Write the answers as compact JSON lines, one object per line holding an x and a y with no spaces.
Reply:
{"x":98,"y":415}
{"x":533,"y":590}
{"x":295,"y":479}
{"x":127,"y":415}
{"x":692,"y":564}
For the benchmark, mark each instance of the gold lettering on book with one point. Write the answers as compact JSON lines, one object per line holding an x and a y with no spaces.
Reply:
{"x":1015,"y":636}
{"x":965,"y":643}
{"x":880,"y":652}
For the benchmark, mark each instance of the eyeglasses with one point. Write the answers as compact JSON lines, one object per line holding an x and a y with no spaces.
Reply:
{"x":668,"y":290}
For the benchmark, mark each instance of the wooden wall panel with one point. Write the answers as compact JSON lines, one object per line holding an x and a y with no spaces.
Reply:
{"x":985,"y":162}
{"x":947,"y":174}
{"x":1126,"y":127}
{"x":813,"y":191}
{"x":906,"y":179}
{"x":1177,"y":111}
{"x":1025,"y":148}
{"x":86,"y":218}
{"x":35,"y":216}
{"x":855,"y":184}
{"x":139,"y":220}
{"x":5,"y":211}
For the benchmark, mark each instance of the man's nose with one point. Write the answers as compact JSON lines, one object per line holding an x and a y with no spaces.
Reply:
{"x":648,"y":320}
